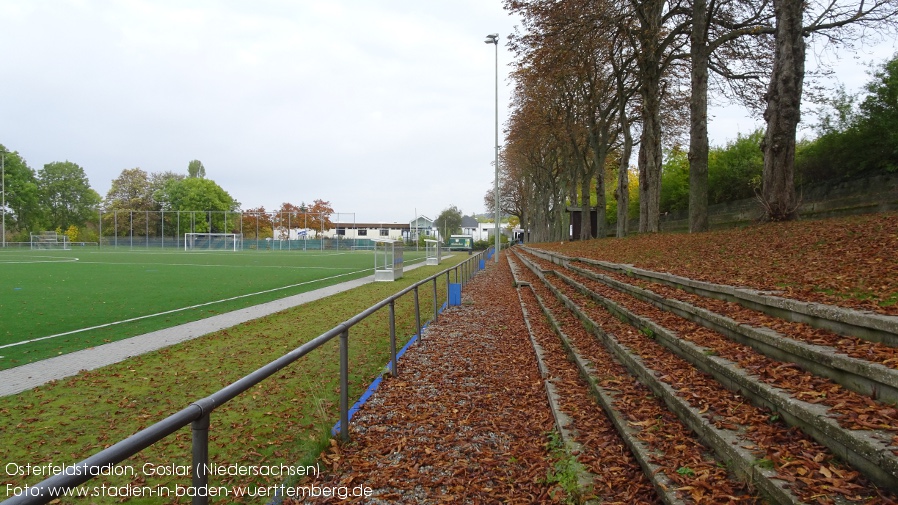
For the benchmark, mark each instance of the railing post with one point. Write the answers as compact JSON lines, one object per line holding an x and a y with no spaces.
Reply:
{"x":200,"y":431}
{"x":344,"y":385}
{"x":449,"y":281}
{"x":436,"y":308}
{"x":418,"y":316}
{"x":393,"y":338}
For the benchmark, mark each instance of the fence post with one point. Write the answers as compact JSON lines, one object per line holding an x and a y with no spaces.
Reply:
{"x":418,"y":315}
{"x":393,"y":338}
{"x":200,"y":431}
{"x":344,"y":385}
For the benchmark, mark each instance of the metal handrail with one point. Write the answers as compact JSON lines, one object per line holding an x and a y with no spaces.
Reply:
{"x":198,"y":413}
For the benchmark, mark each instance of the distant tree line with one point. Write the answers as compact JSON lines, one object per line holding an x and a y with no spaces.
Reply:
{"x":52,"y":198}
{"x":59,"y":197}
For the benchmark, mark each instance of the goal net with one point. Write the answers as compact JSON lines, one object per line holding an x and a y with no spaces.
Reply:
{"x":213,"y":241}
{"x":49,"y":240}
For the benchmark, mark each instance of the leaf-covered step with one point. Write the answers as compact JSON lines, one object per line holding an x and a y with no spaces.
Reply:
{"x":704,"y":396}
{"x":871,"y":379}
{"x":642,"y":428}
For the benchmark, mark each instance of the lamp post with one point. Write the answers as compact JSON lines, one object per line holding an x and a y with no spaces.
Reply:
{"x":493,"y":38}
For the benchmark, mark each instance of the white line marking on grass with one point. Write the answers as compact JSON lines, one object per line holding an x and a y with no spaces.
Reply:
{"x":177,"y":310}
{"x":295,"y":267}
{"x":49,"y":259}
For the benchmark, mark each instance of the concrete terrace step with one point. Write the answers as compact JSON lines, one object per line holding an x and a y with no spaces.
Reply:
{"x":723,"y":443}
{"x":643,"y":453}
{"x":845,"y":321}
{"x":871,"y":379}
{"x":872,"y":451}
{"x":869,"y":451}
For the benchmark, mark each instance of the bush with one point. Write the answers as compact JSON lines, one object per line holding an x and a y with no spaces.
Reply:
{"x":859,"y":142}
{"x":734,"y":171}
{"x":675,"y":181}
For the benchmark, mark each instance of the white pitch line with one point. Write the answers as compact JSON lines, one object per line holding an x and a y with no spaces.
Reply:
{"x":176,"y":310}
{"x":295,"y":267}
{"x":52,"y":259}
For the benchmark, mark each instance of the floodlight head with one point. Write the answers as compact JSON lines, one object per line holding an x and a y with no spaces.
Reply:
{"x":492,"y":38}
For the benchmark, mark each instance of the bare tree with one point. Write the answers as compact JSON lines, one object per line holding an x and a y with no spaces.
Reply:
{"x":656,"y":29}
{"x":717,"y":27}
{"x":841,"y":23}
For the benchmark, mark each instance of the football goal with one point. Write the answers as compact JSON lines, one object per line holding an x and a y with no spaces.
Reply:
{"x":213,"y":242}
{"x":49,"y":240}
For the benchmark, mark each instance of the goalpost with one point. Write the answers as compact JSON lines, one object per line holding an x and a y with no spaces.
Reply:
{"x":50,"y":240}
{"x":213,"y":242}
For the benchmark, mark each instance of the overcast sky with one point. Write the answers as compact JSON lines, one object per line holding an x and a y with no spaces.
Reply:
{"x":384,"y":108}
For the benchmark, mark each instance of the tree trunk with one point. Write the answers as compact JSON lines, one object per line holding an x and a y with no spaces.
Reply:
{"x":598,"y":137}
{"x":649,"y":62}
{"x":585,"y":210}
{"x":698,"y":120}
{"x":623,"y":179}
{"x":783,"y":113}
{"x":650,"y":156}
{"x":575,"y":201}
{"x":601,"y":203}
{"x":623,"y":174}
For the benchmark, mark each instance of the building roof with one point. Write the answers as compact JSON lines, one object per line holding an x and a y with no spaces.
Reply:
{"x":468,"y":222}
{"x":368,"y":226}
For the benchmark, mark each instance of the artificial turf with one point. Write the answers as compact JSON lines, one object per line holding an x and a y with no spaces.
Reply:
{"x":86,"y":297}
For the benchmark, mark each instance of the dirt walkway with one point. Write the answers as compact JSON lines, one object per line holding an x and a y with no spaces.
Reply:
{"x":466,"y":427}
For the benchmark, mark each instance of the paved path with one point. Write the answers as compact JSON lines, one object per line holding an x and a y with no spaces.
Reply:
{"x":25,"y":377}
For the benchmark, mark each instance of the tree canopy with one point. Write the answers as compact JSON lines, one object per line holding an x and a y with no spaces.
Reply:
{"x":448,"y":222}
{"x":196,"y":194}
{"x":196,"y":170}
{"x":856,"y":138}
{"x":23,"y":203}
{"x":131,"y":190}
{"x":66,"y":193}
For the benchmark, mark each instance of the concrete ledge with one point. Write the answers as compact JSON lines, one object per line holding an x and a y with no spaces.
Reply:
{"x":868,"y":451}
{"x":725,"y":444}
{"x":845,"y":321}
{"x":643,"y":454}
{"x":563,"y":423}
{"x":871,"y":379}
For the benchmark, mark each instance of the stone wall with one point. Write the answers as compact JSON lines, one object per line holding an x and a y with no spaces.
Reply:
{"x":843,"y":198}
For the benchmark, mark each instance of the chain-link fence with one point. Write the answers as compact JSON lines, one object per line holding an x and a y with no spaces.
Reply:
{"x":272,"y":231}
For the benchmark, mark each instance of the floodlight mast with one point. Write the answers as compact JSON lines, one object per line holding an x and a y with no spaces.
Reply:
{"x":493,"y":38}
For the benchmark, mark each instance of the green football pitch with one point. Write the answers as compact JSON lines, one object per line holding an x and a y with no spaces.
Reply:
{"x":55,"y":302}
